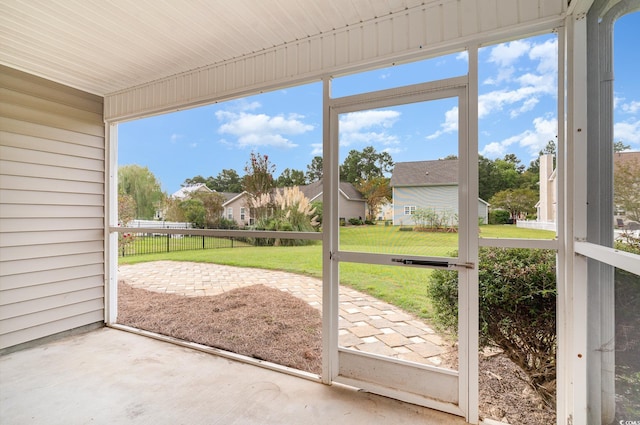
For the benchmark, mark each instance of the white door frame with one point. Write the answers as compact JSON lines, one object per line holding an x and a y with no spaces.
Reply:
{"x":424,"y":385}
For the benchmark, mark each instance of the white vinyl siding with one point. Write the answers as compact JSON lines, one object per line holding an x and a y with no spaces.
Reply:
{"x":52,"y":162}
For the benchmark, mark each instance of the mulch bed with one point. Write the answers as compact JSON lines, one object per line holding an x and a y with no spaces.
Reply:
{"x":256,"y":321}
{"x":272,"y":325}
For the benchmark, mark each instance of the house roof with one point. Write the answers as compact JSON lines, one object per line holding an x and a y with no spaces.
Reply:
{"x":425,"y":173}
{"x":185,"y":191}
{"x":626,"y":157}
{"x":313,"y":191}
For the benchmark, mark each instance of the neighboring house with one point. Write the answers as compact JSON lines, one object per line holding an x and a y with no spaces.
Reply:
{"x":187,"y":191}
{"x":428,"y":184}
{"x":236,"y":208}
{"x":351,"y":204}
{"x":546,"y":206}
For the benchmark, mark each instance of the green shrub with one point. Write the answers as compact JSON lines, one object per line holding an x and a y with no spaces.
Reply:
{"x":355,"y":221}
{"x":405,"y":229}
{"x":499,"y":217}
{"x":517,"y":308}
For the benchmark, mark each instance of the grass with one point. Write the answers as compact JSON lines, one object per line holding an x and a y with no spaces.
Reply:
{"x":404,"y":287}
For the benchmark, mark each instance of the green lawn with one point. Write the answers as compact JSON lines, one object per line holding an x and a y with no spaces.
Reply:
{"x":401,"y":286}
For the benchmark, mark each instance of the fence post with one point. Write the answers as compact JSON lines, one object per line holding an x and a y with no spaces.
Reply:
{"x":168,"y":236}
{"x":202,"y":241}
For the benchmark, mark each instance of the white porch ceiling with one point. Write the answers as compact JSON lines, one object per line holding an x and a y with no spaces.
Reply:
{"x":105,"y":46}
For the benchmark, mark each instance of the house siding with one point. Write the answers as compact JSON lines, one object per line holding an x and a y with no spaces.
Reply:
{"x":351,"y":209}
{"x":440,"y":198}
{"x":52,"y":173}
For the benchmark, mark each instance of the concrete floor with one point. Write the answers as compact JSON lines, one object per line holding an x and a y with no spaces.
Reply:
{"x":108,"y":376}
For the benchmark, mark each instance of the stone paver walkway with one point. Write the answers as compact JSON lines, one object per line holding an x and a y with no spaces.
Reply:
{"x":366,"y":323}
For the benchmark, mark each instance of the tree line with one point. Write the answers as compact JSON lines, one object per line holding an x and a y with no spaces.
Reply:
{"x":505,"y":183}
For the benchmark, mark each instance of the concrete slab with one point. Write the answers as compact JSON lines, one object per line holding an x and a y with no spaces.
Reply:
{"x":110,"y":376}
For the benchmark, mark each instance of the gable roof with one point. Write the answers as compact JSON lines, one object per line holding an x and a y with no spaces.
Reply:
{"x":313,"y":191}
{"x":185,"y":191}
{"x":425,"y":173}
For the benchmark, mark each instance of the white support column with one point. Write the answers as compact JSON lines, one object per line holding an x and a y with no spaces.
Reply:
{"x":330,"y":272}
{"x":110,"y":220}
{"x":573,"y":315}
{"x":472,"y":240}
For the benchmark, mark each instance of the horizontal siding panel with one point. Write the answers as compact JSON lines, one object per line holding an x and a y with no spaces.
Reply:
{"x":47,"y":145}
{"x":35,"y":86}
{"x":46,"y":224}
{"x":55,"y":237}
{"x":50,"y":328}
{"x":13,"y":168}
{"x":51,"y":315}
{"x":30,"y":306}
{"x":50,"y":185}
{"x":10,"y":153}
{"x":50,"y":289}
{"x":49,"y":198}
{"x":44,"y":132}
{"x":84,"y":118}
{"x":15,"y":253}
{"x":96,"y":271}
{"x":51,"y":211}
{"x":49,"y":263}
{"x":55,"y":119}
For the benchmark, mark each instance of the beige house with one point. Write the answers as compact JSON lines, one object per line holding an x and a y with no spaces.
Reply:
{"x":351,"y":204}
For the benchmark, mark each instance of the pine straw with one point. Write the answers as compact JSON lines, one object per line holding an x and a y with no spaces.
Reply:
{"x":255,"y":321}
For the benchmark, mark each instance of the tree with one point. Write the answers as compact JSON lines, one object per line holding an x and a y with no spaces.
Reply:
{"x":626,"y":188}
{"x":259,"y":171}
{"x":619,"y":147}
{"x":376,"y":192}
{"x":290,"y":178}
{"x":258,"y":182}
{"x":314,"y":170}
{"x":227,"y":180}
{"x":142,"y":185}
{"x":517,"y":201}
{"x":365,"y":165}
{"x":498,"y":175}
{"x":126,"y":208}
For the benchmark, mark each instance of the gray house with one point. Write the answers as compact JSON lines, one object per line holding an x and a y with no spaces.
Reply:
{"x":428,"y":184}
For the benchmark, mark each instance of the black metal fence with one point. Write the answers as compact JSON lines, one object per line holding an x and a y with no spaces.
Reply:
{"x":144,"y":243}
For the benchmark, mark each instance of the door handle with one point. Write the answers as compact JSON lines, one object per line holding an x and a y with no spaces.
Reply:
{"x":431,"y":263}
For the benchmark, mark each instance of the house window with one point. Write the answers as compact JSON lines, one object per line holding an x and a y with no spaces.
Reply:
{"x":230,"y":213}
{"x":242,"y":214}
{"x":409,"y":209}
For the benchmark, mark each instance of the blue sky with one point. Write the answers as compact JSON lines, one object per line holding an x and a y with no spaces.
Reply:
{"x":517,"y":108}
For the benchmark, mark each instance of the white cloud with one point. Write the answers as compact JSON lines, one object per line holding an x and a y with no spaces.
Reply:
{"x":175,"y":137}
{"x":632,"y":107}
{"x":368,"y":127}
{"x":385,"y":75}
{"x":463,"y":56}
{"x":449,"y":125}
{"x":505,"y":54}
{"x":532,"y":140}
{"x":316,"y":149}
{"x":627,"y":132}
{"x":261,"y":129}
{"x":547,"y":56}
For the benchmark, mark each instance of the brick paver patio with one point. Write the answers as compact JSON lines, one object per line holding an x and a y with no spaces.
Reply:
{"x":365,"y":324}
